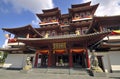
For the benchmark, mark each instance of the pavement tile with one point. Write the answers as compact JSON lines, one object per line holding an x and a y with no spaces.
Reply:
{"x":45,"y":74}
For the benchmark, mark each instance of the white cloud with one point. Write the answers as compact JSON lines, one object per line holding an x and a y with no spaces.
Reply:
{"x":35,"y":22}
{"x":106,"y":7}
{"x":34,"y":6}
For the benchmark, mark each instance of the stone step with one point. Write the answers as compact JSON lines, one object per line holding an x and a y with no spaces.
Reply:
{"x":78,"y":71}
{"x":58,"y":71}
{"x":39,"y":70}
{"x":61,"y":71}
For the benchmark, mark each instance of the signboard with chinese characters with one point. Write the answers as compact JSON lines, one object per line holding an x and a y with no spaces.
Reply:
{"x":59,"y":45}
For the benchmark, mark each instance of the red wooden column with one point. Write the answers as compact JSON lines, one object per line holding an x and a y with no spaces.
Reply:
{"x":70,"y":59}
{"x":36,"y":60}
{"x":87,"y":59}
{"x":49,"y":59}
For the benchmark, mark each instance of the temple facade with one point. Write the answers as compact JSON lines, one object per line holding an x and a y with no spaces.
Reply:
{"x":64,"y":40}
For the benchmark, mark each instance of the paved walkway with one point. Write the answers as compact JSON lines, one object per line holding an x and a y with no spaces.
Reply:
{"x":47,"y":73}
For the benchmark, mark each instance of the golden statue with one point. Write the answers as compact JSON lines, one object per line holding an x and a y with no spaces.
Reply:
{"x":77,"y":32}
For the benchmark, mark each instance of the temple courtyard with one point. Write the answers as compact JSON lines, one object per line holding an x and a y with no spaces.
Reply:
{"x":52,"y":73}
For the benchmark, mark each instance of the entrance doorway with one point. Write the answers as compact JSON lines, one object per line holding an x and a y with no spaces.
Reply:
{"x":62,"y":60}
{"x":79,"y":60}
{"x":42,"y":60}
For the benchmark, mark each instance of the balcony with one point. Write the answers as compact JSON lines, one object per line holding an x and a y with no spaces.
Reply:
{"x":81,"y":19}
{"x":47,"y":23}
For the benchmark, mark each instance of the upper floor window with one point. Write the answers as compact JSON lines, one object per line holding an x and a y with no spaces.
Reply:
{"x":54,"y":19}
{"x":82,"y":15}
{"x":66,"y":21}
{"x":61,"y":22}
{"x":77,"y":16}
{"x":49,"y":19}
{"x":45,"y":20}
{"x":84,"y":30}
{"x":53,"y":33}
{"x":88,"y":15}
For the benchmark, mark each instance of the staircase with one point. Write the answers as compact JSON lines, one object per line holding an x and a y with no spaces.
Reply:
{"x":70,"y":71}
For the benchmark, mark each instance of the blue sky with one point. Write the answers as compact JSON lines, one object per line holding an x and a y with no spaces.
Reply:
{"x":17,"y":13}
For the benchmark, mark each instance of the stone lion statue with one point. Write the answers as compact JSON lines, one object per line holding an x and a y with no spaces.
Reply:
{"x":28,"y":65}
{"x":94,"y":63}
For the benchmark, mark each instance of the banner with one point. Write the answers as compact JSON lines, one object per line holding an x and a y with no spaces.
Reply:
{"x":59,"y":45}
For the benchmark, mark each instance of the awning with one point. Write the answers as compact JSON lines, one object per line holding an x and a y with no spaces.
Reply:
{"x":61,"y":51}
{"x":77,"y":50}
{"x":43,"y":51}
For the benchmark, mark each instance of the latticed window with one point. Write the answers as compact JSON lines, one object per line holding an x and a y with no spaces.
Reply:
{"x":49,"y":19}
{"x":61,"y":22}
{"x":84,"y":30}
{"x":88,"y":15}
{"x":45,"y":20}
{"x":54,"y":19}
{"x":77,"y":16}
{"x":66,"y":21}
{"x":82,"y":15}
{"x":53,"y":33}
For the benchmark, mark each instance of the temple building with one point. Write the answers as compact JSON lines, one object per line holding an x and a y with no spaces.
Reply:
{"x":108,"y":49}
{"x":65,"y":40}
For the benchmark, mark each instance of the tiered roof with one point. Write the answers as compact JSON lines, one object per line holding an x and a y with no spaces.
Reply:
{"x":84,"y":8}
{"x":104,"y":21}
{"x":23,"y":31}
{"x":81,"y":5}
{"x":50,"y":12}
